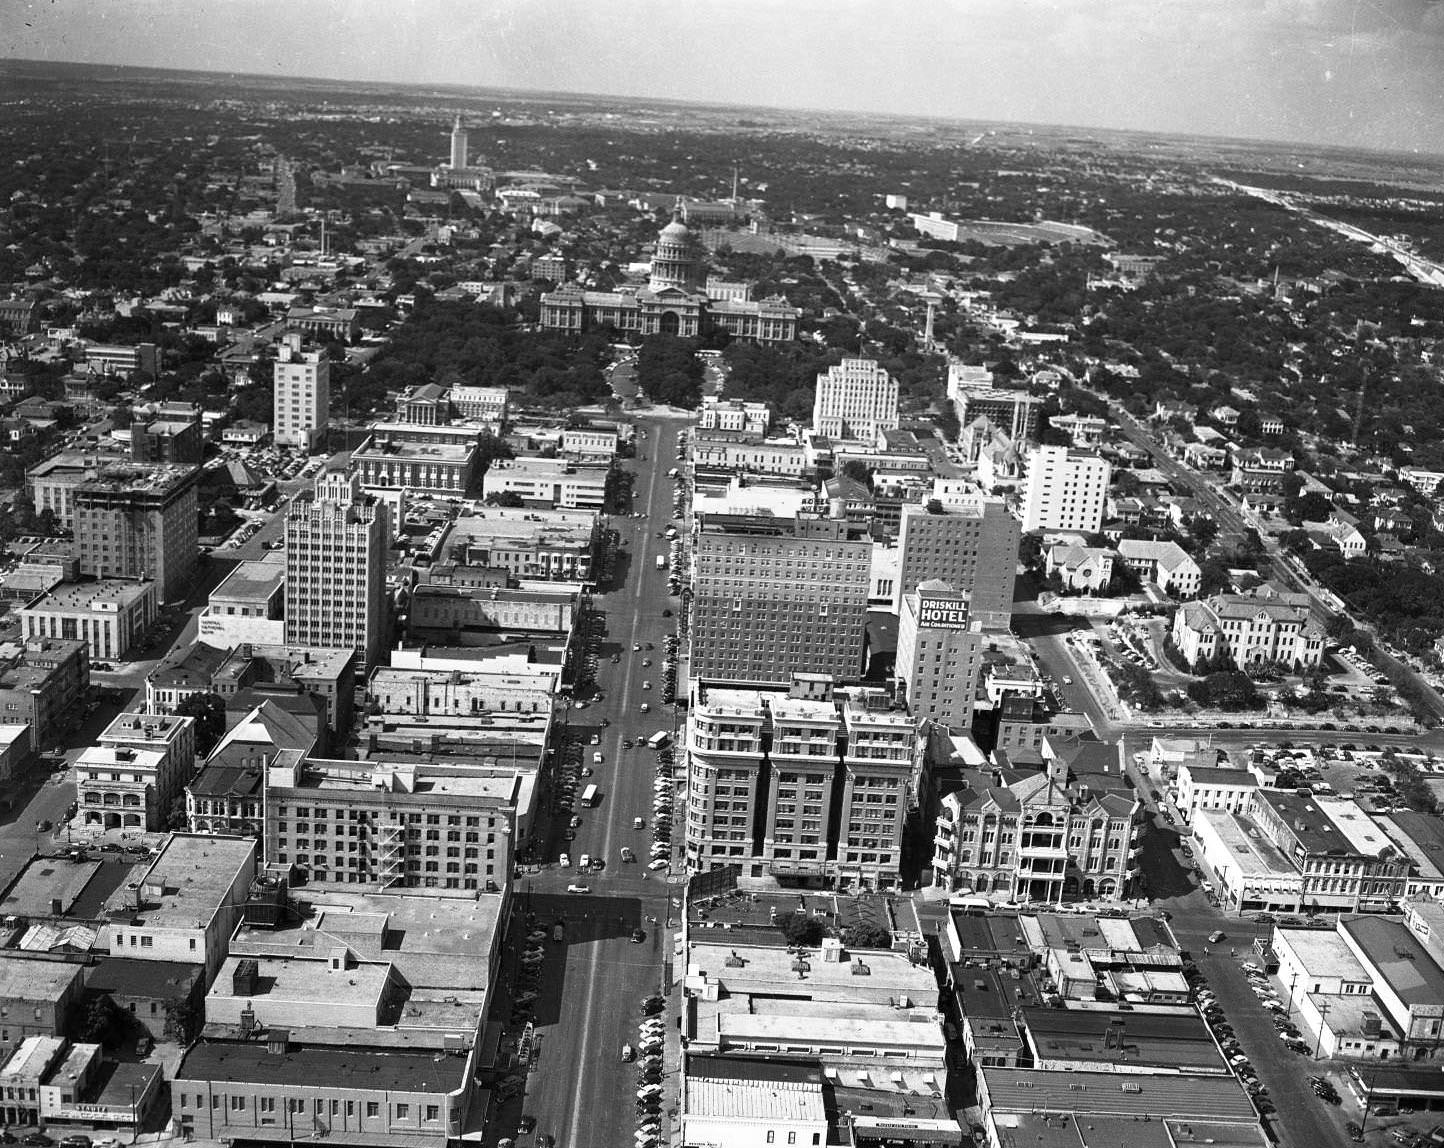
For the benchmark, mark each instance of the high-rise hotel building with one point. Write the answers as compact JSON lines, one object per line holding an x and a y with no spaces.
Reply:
{"x":138,"y":520}
{"x":971,"y":544}
{"x":777,"y":597}
{"x":336,"y":568}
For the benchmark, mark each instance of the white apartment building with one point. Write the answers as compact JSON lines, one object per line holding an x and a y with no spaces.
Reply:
{"x":1065,"y":489}
{"x":302,"y":395}
{"x":854,"y":400}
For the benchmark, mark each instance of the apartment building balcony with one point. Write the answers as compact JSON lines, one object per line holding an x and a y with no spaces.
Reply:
{"x":943,"y":846}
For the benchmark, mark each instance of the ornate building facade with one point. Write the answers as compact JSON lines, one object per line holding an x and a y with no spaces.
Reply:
{"x":674,"y":302}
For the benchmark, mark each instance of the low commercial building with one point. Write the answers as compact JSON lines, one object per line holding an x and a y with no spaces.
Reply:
{"x":732,"y":1102}
{"x":481,"y":616}
{"x":48,"y":1080}
{"x":37,"y":998}
{"x":183,"y":673}
{"x":1213,"y":787}
{"x":536,"y":545}
{"x":248,"y":606}
{"x":110,"y":615}
{"x":751,"y":1001}
{"x":734,"y":453}
{"x":549,"y":482}
{"x":245,"y":1090}
{"x":1250,"y":872}
{"x":1347,"y":863}
{"x":1096,"y":1110}
{"x":589,"y":444}
{"x":187,"y":903}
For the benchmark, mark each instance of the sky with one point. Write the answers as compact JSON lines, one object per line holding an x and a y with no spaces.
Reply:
{"x":1359,"y":73}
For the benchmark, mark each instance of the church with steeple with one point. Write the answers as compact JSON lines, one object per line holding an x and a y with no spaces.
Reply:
{"x":678,"y":300}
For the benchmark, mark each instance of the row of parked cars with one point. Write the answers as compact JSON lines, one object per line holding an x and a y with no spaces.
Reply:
{"x":1223,"y":1032}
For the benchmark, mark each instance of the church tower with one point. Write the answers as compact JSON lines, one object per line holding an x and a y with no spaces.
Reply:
{"x":678,"y":261}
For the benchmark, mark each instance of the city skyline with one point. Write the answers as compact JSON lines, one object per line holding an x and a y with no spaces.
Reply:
{"x":1307,"y":71}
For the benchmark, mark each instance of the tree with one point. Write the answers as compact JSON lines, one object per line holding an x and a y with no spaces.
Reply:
{"x":799,"y":928}
{"x":866,"y":935}
{"x":209,"y":710}
{"x":856,"y":469}
{"x":509,"y":499}
{"x":103,"y":1022}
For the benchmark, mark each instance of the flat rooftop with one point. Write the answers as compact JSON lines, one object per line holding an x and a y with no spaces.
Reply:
{"x":81,"y":887}
{"x":1254,"y":853}
{"x":250,"y":582}
{"x":767,"y":970}
{"x":1363,"y":834}
{"x":443,"y":452}
{"x":436,"y":942}
{"x":720,"y":1087}
{"x":324,"y":1067}
{"x":194,"y":873}
{"x":499,"y":527}
{"x":923,"y":1035}
{"x":1180,"y":1096}
{"x":1401,"y":960}
{"x":293,"y":981}
{"x":23,"y":980}
{"x":119,"y":592}
{"x":360,"y":777}
{"x":1133,"y":1039}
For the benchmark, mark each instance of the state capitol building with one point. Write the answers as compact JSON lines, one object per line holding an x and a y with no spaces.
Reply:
{"x":676,"y":301}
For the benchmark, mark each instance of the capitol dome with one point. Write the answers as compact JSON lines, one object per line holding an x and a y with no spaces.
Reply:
{"x":674,"y":232}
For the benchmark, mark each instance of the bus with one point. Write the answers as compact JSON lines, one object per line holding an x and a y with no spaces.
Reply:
{"x":589,"y":796}
{"x":658,"y":739}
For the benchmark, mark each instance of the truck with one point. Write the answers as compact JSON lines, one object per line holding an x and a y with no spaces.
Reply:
{"x":661,"y":562}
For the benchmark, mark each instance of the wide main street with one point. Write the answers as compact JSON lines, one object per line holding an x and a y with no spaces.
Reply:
{"x":592,"y":984}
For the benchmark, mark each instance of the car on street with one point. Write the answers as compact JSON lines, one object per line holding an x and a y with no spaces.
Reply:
{"x":579,"y":888}
{"x":1215,"y":937}
{"x":657,"y":863}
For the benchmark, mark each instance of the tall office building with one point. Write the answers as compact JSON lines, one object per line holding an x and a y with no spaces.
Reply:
{"x":776,"y":597}
{"x":138,"y":521}
{"x":1066,"y":489}
{"x":939,"y":655}
{"x":458,"y":145}
{"x":970,"y":543}
{"x":336,"y":568}
{"x":808,"y":789}
{"x":302,"y":394}
{"x":854,"y":400}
